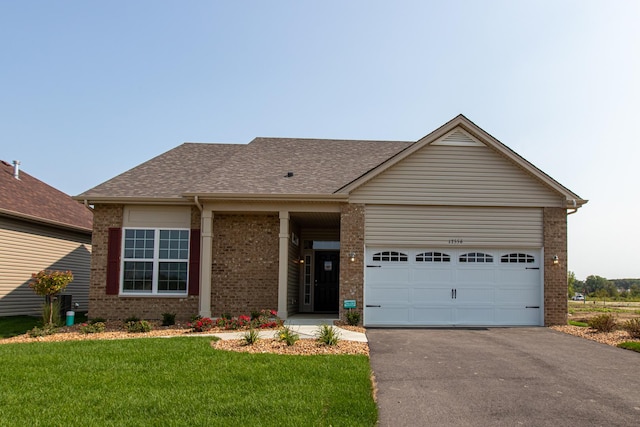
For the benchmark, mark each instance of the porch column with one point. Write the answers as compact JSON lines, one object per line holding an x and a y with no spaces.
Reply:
{"x":206,"y":259}
{"x":283,"y":264}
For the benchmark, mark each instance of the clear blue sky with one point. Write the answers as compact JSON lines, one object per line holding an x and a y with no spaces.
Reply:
{"x":90,"y":89}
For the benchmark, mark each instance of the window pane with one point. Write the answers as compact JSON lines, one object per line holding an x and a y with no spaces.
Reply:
{"x":174,"y":244}
{"x":138,"y":244}
{"x":138,"y":276}
{"x":172,"y":277}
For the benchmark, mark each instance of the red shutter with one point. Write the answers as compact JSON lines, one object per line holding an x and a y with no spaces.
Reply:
{"x":113,"y":261}
{"x":194,"y":262}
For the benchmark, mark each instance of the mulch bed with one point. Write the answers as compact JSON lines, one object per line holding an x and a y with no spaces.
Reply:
{"x":116,"y":331}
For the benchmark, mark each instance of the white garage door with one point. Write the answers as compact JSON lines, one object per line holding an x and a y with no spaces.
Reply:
{"x":464,"y":287}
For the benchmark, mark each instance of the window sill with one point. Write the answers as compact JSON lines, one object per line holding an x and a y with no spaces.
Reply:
{"x":179,"y":296}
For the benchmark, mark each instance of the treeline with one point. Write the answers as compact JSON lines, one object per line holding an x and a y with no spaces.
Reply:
{"x":600,"y":287}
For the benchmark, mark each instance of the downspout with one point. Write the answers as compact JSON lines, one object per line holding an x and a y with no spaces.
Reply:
{"x":575,"y":207}
{"x":195,"y":199}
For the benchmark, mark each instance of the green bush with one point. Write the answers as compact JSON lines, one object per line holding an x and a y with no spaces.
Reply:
{"x":603,"y":323}
{"x":288,"y":336}
{"x":131,"y":319}
{"x":251,"y":336}
{"x":353,"y":317}
{"x":138,"y":326}
{"x":328,"y":335}
{"x":47,"y":329}
{"x":168,"y":319}
{"x":92,"y":328}
{"x":632,"y":327}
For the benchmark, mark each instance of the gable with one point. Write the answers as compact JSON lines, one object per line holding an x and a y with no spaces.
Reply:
{"x":456,"y":169}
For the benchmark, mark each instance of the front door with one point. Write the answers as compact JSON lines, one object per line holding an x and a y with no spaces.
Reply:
{"x":327,"y":274}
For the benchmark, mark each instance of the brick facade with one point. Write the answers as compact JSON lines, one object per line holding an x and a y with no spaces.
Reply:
{"x":555,"y":275}
{"x":352,"y":272}
{"x":117,"y":307}
{"x":245,"y":263}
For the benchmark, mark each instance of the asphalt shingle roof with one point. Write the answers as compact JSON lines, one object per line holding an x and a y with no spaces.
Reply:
{"x":319,"y":166}
{"x":28,"y":197}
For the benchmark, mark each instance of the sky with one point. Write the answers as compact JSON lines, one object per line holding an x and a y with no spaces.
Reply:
{"x":89,"y":90}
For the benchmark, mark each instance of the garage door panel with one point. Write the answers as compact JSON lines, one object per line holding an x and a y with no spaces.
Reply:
{"x":388,"y":316}
{"x":386,"y":275}
{"x":475,"y":315}
{"x":470,"y":275}
{"x":430,"y":295}
{"x":432,"y":315}
{"x":515,"y":316}
{"x":432,"y":275}
{"x":389,"y":295}
{"x":475,"y":295}
{"x":518,"y":296}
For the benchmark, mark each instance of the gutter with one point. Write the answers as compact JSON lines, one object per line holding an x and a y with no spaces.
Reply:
{"x":45,"y":221}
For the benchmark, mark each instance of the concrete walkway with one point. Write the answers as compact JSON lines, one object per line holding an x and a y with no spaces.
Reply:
{"x":305,"y":332}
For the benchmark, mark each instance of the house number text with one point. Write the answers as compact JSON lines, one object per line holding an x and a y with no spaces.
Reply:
{"x":455,"y":241}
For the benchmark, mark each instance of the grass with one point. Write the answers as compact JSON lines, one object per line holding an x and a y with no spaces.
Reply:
{"x":17,"y":325}
{"x":580,"y":324}
{"x":179,"y":381}
{"x":630,"y":345}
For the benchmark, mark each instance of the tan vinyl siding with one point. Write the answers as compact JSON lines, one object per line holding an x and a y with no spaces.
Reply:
{"x":456,"y":175}
{"x":438,"y":226}
{"x":27,"y":248}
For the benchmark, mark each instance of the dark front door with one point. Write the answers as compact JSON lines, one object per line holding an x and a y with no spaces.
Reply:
{"x":327,"y":273}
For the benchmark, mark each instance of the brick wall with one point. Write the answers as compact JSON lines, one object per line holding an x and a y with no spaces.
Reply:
{"x":114,"y":306}
{"x":352,"y":240}
{"x":245,"y":263}
{"x":555,"y":275}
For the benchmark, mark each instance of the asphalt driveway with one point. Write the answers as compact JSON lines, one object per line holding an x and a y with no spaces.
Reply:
{"x":502,"y":376}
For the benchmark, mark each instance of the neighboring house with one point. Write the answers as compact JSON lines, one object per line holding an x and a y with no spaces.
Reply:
{"x":41,"y":228}
{"x":453,"y":229}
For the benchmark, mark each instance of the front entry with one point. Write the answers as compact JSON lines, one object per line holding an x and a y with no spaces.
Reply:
{"x":327,"y":274}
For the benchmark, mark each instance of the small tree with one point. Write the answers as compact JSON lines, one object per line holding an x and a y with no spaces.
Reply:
{"x":49,"y":284}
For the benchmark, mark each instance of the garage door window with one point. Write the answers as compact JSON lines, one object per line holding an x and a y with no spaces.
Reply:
{"x":433,"y":257}
{"x":391,"y":256}
{"x":476,"y":257}
{"x":517,"y":258}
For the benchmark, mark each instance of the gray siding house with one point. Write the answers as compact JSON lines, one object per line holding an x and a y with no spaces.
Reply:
{"x":40,"y":228}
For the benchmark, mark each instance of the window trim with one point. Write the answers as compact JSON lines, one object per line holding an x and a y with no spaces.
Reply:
{"x":391,"y":255}
{"x":156,"y":260}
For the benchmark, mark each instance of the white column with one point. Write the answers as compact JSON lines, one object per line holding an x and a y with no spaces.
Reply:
{"x":283,"y":264}
{"x":206,"y":259}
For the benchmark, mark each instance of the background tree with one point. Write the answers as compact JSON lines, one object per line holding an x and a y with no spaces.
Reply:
{"x":571,"y":280}
{"x":49,"y":284}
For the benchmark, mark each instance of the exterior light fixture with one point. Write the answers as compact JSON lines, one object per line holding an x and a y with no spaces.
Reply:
{"x":352,"y":256}
{"x":301,"y":260}
{"x":555,"y":260}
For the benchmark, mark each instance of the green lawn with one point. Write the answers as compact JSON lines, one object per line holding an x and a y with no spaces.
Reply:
{"x":630,"y":345}
{"x":17,"y":325}
{"x":179,"y":381}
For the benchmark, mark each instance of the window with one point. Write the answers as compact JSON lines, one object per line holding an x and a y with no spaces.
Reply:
{"x":155,"y":261}
{"x":517,"y":258}
{"x":433,"y":257}
{"x":476,"y":257}
{"x":390,"y":256}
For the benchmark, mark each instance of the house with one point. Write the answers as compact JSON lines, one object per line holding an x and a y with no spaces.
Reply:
{"x":41,"y":228}
{"x":452,"y":229}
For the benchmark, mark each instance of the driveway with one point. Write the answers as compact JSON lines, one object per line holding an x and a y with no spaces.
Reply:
{"x":502,"y":376}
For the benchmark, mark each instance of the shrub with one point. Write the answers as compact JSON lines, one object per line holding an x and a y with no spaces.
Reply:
{"x":632,"y":327}
{"x":168,"y":319}
{"x":353,"y":317}
{"x":92,"y":327}
{"x":49,"y":284}
{"x":138,"y":326}
{"x":42,"y":332}
{"x":603,"y":323}
{"x":288,"y":336}
{"x":98,"y":320}
{"x":328,"y":335}
{"x":201,"y":324}
{"x":131,"y":319}
{"x":251,"y":336}
{"x":267,"y":319}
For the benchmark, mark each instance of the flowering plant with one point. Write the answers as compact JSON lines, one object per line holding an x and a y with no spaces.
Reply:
{"x":201,"y":324}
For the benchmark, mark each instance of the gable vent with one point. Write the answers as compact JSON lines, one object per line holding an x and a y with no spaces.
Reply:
{"x":458,"y":137}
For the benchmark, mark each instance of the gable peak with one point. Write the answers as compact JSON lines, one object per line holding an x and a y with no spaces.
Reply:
{"x":458,"y":137}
